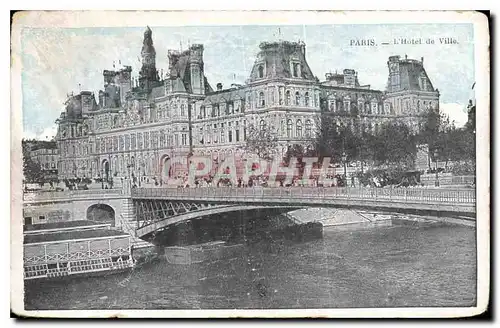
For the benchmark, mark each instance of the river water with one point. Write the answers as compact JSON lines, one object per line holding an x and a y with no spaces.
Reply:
{"x":395,"y":266}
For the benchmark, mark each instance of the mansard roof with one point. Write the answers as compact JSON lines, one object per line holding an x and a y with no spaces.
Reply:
{"x":277,"y":59}
{"x":412,"y":75}
{"x":224,"y":96}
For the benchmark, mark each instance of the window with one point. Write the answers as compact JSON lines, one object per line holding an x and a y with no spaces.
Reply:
{"x":133,"y":143}
{"x":222,"y":136}
{"x":237,"y":132}
{"x":332,"y":105}
{"x":262,"y":101}
{"x":287,"y":98}
{"x":115,"y":143}
{"x":41,"y":217}
{"x":306,"y":99}
{"x":230,"y":136}
{"x":308,"y":128}
{"x":122,"y":143}
{"x":139,"y":141}
{"x":298,"y":129}
{"x":176,"y":139}
{"x":289,"y":127}
{"x":262,"y":125}
{"x":146,"y":140}
{"x":184,"y":139}
{"x":297,"y":98}
{"x":261,"y":71}
{"x":295,"y":70}
{"x":127,"y":142}
{"x":230,"y":106}
{"x":183,"y":110}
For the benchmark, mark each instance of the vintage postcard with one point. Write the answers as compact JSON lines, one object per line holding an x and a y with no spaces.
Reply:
{"x":250,"y":164}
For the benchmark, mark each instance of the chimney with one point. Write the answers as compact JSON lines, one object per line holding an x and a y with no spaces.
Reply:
{"x":219,"y":86}
{"x":422,"y":59}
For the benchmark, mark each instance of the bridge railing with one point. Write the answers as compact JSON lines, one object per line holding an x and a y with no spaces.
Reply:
{"x":49,"y":195}
{"x":296,"y":193}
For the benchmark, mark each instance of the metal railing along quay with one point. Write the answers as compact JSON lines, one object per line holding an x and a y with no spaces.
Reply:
{"x":55,"y":195}
{"x":414,"y":195}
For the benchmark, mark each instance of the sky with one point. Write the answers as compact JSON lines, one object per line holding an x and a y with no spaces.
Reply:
{"x":58,"y":61}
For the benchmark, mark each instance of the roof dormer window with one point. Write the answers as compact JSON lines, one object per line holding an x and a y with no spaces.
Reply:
{"x":296,"y":69}
{"x":261,"y":71}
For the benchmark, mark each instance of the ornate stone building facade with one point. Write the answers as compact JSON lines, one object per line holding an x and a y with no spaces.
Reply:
{"x":137,"y":124}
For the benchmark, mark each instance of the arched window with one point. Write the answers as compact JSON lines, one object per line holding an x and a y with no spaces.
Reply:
{"x":261,"y":71}
{"x":297,"y":98}
{"x":287,"y":98}
{"x":262,"y":101}
{"x":308,"y":128}
{"x":298,"y":129}
{"x":183,"y":110}
{"x":262,"y":125}
{"x":289,"y":127}
{"x":306,"y":99}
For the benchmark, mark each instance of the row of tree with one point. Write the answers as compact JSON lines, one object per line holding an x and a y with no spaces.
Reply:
{"x":393,"y":145}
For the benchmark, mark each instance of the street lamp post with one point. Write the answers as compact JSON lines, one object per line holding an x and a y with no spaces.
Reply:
{"x":344,"y":160}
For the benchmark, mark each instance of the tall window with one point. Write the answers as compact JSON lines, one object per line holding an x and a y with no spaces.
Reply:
{"x":298,"y":129}
{"x":133,"y":143}
{"x":162,"y":139}
{"x":146,"y":140}
{"x":306,"y":99}
{"x":139,"y":140}
{"x":289,"y":127}
{"x":297,"y":98}
{"x":115,"y":143}
{"x":295,"y":70}
{"x":127,"y":142}
{"x":183,"y":110}
{"x":287,"y":98}
{"x":261,"y":71}
{"x":308,"y":128}
{"x":262,"y":101}
{"x":184,"y":139}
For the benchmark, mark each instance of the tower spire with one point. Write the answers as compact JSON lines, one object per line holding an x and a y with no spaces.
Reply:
{"x":148,"y":73}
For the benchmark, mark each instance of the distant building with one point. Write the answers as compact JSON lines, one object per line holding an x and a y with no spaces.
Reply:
{"x":46,"y":154}
{"x":137,"y":123}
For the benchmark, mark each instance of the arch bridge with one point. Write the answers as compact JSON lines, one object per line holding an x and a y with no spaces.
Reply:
{"x":158,"y":208}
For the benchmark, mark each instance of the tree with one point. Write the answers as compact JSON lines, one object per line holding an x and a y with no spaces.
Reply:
{"x":261,"y":142}
{"x":395,"y":145}
{"x":32,"y":170}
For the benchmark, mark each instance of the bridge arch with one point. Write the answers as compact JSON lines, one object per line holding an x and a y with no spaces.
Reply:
{"x":148,"y":229}
{"x":102,"y":213}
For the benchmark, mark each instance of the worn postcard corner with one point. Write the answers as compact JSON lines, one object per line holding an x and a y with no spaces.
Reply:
{"x":250,"y":164}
